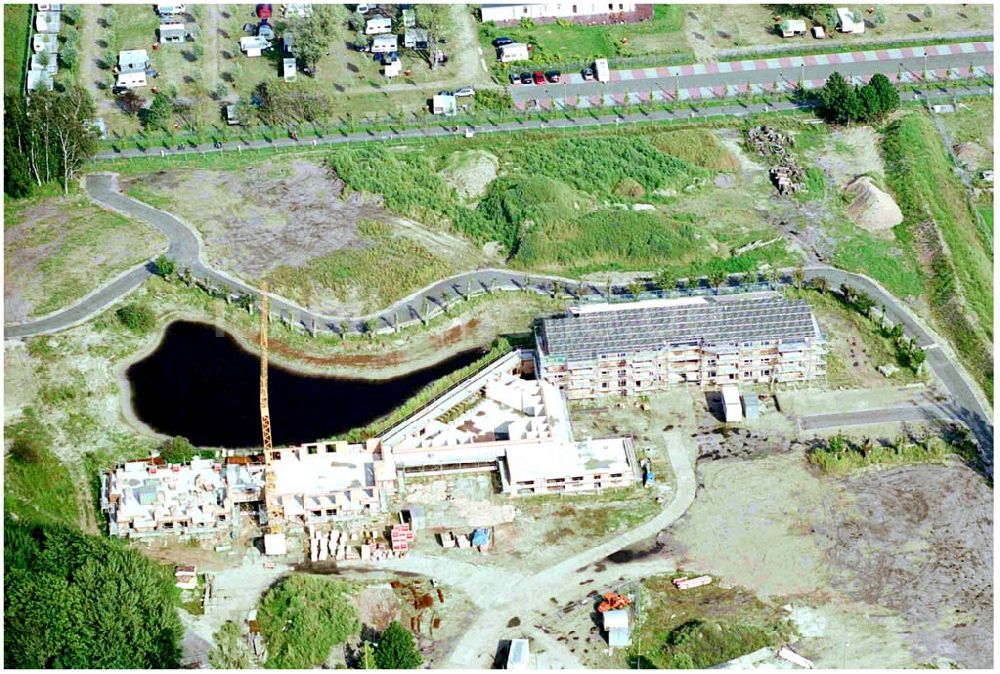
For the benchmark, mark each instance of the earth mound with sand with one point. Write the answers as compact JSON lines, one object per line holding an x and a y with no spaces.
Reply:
{"x":972,"y":155}
{"x":872,"y":208}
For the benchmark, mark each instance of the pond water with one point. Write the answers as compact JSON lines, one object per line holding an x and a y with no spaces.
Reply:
{"x":200,"y":384}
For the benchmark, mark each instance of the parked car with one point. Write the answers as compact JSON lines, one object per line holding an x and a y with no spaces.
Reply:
{"x":539,"y":77}
{"x":445,"y":92}
{"x":465,"y":91}
{"x":553,"y":75}
{"x":501,"y":41}
{"x":515,"y":78}
{"x":526,"y":78}
{"x":588,"y":73}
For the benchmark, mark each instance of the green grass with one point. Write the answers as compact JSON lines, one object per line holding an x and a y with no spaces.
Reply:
{"x":701,"y":627}
{"x":68,"y":247}
{"x":16,"y":31}
{"x":38,"y":488}
{"x":920,"y":174}
{"x":387,"y":268}
{"x":563,"y":42}
{"x":697,"y":146}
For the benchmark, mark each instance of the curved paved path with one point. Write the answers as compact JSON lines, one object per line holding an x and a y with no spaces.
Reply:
{"x":968,"y":403}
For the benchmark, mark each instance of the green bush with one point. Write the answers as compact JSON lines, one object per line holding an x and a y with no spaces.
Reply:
{"x":303,"y":617}
{"x":178,"y":450}
{"x":165,"y":266}
{"x":75,"y":601}
{"x":136,"y":317}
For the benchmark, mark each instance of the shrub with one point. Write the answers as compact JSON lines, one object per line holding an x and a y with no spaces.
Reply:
{"x":303,"y":618}
{"x":396,"y":650}
{"x":177,"y":450}
{"x":30,"y":440}
{"x":165,"y":266}
{"x":627,"y":187}
{"x":136,"y":317}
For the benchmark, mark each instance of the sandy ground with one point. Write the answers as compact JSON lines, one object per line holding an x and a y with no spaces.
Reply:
{"x":888,"y":568}
{"x":850,"y":152}
{"x":470,"y":172}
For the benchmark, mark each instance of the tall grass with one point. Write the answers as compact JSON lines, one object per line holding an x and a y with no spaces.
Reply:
{"x":16,"y":31}
{"x":919,"y":172}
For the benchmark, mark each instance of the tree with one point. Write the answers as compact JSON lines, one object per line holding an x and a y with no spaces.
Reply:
{"x":74,"y":601}
{"x":396,"y":650}
{"x":636,"y":287}
{"x":799,"y":276}
{"x":159,"y":113}
{"x":177,"y":450}
{"x":916,"y":359}
{"x":717,"y":278}
{"x":312,"y":34}
{"x":165,"y":266}
{"x":847,"y":292}
{"x":303,"y":617}
{"x":887,"y":95}
{"x":47,"y":138}
{"x":131,"y":103}
{"x":869,"y":105}
{"x":820,"y":284}
{"x":839,"y":103}
{"x":665,"y":280}
{"x":229,"y":651}
{"x":439,"y":21}
{"x":370,"y":326}
{"x":366,"y":655}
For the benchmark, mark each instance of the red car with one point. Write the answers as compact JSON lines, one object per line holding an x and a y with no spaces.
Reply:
{"x":539,"y":77}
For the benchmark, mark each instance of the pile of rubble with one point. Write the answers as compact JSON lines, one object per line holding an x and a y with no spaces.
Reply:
{"x":787,"y":176}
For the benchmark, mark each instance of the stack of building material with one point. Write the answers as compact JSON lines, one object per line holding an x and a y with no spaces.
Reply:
{"x":686,"y":583}
{"x":186,"y":577}
{"x":787,"y":176}
{"x":463,"y":541}
{"x":447,"y":539}
{"x":401,"y":537}
{"x":787,"y":653}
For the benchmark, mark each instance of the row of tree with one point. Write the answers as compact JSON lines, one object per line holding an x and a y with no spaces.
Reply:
{"x":842,"y":103}
{"x":47,"y":138}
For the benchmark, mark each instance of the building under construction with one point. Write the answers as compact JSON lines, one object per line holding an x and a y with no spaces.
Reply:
{"x":637,"y":348}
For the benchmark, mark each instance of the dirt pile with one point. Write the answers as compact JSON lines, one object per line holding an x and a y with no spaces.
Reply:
{"x":972,"y":155}
{"x":872,"y":208}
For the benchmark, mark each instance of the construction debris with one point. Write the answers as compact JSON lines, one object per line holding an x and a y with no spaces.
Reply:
{"x":787,"y":653}
{"x":613,"y":602}
{"x":788,"y":177}
{"x":686,"y":583}
{"x":186,"y":577}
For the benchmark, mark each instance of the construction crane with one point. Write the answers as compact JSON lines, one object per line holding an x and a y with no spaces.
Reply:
{"x":274,"y":514}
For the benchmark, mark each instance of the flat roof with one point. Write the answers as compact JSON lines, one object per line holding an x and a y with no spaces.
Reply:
{"x":653,"y":325}
{"x":298,"y":472}
{"x":546,"y":460}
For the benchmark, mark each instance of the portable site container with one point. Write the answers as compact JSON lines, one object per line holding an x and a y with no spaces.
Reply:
{"x":602,"y":70}
{"x":515,"y":51}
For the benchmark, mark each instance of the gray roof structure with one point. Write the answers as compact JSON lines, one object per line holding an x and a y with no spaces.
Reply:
{"x":654,"y":327}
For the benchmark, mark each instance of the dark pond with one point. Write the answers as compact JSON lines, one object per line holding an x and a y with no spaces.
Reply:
{"x":200,"y":384}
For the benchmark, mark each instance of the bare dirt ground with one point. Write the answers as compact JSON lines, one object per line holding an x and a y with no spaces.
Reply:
{"x":890,"y":567}
{"x":261,"y":217}
{"x":470,"y":172}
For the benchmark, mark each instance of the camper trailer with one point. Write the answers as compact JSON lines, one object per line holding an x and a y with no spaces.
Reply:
{"x":378,"y":26}
{"x":385,"y":44}
{"x":602,"y":70}
{"x":130,"y":80}
{"x":172,"y":33}
{"x":288,"y":69}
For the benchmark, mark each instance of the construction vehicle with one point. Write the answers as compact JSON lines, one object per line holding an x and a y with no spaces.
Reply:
{"x":274,"y":542}
{"x":613,"y":601}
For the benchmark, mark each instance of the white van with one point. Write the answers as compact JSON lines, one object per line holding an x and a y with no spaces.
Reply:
{"x":602,"y":70}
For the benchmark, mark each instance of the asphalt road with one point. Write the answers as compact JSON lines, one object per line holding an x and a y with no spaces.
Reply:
{"x":788,"y":75}
{"x":907,"y":413}
{"x":969,"y":404}
{"x":689,"y":110}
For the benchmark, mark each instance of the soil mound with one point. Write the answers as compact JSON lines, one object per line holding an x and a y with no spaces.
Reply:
{"x":972,"y":155}
{"x":872,"y":208}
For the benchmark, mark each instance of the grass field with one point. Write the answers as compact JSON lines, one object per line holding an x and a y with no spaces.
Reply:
{"x":37,"y":488}
{"x":570,"y":42}
{"x":59,"y":248}
{"x":16,"y":29}
{"x":934,"y":192}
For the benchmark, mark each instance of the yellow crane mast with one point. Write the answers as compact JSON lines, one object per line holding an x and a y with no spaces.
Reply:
{"x":274,"y":514}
